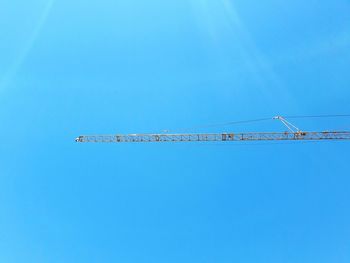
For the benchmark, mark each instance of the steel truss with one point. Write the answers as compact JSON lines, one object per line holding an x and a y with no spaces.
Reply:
{"x":215,"y":137}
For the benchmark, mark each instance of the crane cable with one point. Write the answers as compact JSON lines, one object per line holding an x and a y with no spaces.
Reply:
{"x":258,"y":120}
{"x":317,"y":116}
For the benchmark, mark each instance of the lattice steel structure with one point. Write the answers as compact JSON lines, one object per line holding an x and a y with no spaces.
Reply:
{"x":216,"y":137}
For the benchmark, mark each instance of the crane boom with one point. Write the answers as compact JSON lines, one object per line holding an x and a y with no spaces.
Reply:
{"x":221,"y":137}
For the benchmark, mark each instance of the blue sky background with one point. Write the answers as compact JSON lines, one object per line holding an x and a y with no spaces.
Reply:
{"x":83,"y":67}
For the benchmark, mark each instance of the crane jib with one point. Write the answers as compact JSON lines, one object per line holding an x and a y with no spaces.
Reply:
{"x":223,"y":137}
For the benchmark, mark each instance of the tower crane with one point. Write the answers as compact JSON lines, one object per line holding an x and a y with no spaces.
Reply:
{"x":293,"y":134}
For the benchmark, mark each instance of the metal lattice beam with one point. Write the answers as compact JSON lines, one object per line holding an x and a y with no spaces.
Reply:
{"x":210,"y":137}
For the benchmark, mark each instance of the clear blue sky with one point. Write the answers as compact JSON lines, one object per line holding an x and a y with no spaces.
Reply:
{"x":81,"y":67}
